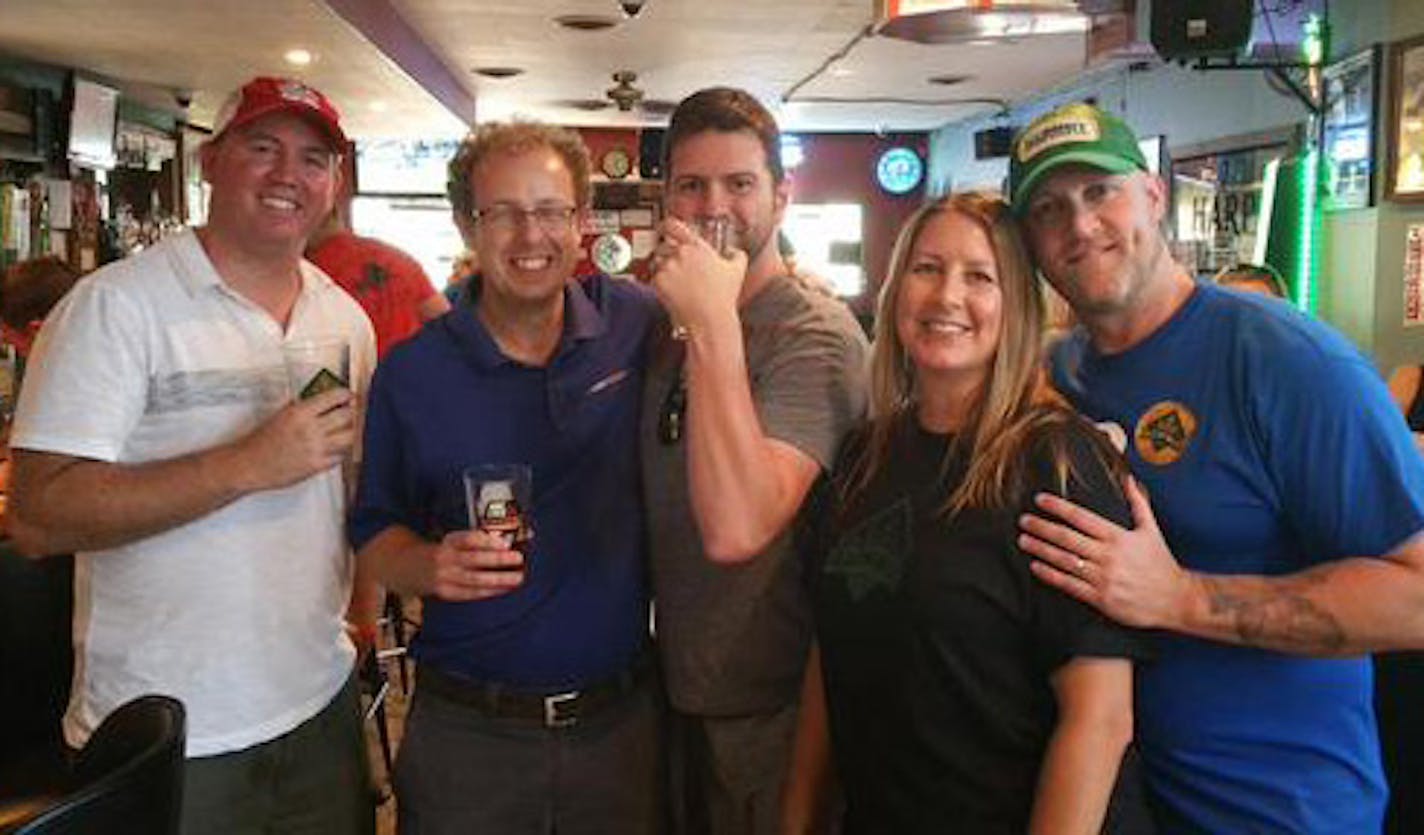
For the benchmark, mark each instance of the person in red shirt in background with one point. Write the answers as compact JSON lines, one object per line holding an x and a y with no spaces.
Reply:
{"x":27,"y":292}
{"x":390,"y":285}
{"x":30,"y":288}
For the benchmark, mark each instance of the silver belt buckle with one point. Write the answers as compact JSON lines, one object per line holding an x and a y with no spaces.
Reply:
{"x":552,"y":719}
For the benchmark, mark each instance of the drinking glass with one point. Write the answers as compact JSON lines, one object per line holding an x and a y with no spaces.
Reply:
{"x":317,"y":365}
{"x":716,"y":230}
{"x":498,"y":499}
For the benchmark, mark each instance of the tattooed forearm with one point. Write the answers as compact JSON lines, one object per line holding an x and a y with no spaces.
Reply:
{"x":1270,"y":617}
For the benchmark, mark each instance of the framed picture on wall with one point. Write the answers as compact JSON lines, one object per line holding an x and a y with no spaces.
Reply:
{"x":1404,"y":178}
{"x":1217,"y":201}
{"x":1347,"y":130}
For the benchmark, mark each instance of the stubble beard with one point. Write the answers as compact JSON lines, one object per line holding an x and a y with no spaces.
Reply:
{"x":752,"y":240}
{"x":1090,"y":296}
{"x":1124,"y":291}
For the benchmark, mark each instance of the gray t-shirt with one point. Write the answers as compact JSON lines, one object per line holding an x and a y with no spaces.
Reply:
{"x":733,"y":639}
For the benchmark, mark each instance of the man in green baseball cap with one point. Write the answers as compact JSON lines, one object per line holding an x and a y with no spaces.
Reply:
{"x":1289,"y":494}
{"x":1091,"y":213}
{"x":1077,"y":133}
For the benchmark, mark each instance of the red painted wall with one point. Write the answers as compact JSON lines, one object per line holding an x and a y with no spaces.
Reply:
{"x":602,"y":140}
{"x":840,"y":168}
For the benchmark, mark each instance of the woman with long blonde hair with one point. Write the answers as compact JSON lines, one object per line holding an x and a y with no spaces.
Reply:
{"x":963,"y":694}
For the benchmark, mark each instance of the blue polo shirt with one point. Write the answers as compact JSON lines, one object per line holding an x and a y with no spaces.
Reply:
{"x":448,"y":399}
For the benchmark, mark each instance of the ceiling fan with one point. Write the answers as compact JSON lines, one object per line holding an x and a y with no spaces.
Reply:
{"x":623,"y":92}
{"x":626,"y":96}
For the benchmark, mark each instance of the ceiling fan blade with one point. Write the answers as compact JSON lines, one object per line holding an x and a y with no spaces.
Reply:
{"x":657,"y":107}
{"x":589,"y":105}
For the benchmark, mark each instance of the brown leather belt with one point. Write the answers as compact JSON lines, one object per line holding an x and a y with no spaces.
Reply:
{"x":563,"y":709}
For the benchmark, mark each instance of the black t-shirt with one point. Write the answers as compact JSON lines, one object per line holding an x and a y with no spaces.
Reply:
{"x":937,"y":643}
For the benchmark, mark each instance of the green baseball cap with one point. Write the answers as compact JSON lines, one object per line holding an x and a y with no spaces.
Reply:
{"x":1075,"y":133}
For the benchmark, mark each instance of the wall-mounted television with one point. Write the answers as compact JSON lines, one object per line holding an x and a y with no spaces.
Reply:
{"x":93,"y":120}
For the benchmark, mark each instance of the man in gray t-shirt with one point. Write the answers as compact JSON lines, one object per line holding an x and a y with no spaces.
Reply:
{"x":740,"y":416}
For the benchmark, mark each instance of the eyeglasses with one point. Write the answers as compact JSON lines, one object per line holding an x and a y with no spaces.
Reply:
{"x":674,"y":409}
{"x":504,"y":216}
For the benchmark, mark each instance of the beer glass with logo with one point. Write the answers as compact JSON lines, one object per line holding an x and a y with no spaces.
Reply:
{"x":499,"y":500}
{"x":317,"y":365}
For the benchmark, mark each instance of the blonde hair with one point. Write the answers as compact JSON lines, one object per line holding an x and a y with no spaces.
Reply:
{"x":1012,"y":410}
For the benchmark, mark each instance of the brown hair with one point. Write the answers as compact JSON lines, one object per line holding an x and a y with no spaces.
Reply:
{"x":1012,"y":413}
{"x":512,"y":138}
{"x":32,"y":287}
{"x":728,"y":110}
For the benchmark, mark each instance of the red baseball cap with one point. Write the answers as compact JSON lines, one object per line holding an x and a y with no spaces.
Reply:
{"x":267,"y":94}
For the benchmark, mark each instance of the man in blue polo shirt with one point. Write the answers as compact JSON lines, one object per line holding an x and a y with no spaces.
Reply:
{"x":1288,"y":492}
{"x":535,"y":709}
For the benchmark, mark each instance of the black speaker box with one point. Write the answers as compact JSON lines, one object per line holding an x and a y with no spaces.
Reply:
{"x":1190,"y":29}
{"x":994,"y":142}
{"x":650,"y":153}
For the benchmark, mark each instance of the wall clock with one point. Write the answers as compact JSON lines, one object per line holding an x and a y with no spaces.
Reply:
{"x":616,"y":164}
{"x":899,"y":170}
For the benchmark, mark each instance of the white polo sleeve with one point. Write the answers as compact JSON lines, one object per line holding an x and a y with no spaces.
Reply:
{"x":86,"y":381}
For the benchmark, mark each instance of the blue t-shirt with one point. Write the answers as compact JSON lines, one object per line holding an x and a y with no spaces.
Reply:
{"x":449,"y":398}
{"x":1268,"y":445}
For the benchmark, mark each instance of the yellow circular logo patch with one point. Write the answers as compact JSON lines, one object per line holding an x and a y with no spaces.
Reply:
{"x":1164,"y":432}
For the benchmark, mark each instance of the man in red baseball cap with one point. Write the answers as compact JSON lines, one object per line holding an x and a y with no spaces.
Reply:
{"x":265,"y":95}
{"x":158,"y":440}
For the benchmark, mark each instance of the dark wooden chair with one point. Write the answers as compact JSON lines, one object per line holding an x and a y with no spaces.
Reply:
{"x":393,"y":618}
{"x":375,"y":685}
{"x":127,"y":779}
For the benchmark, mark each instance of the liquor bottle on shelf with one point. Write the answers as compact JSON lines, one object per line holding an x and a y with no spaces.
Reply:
{"x":8,"y":377}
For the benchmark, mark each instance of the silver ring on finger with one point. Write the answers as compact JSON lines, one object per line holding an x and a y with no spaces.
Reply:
{"x":1080,"y":567}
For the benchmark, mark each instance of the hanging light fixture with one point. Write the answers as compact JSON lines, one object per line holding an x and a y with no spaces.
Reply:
{"x":950,"y":21}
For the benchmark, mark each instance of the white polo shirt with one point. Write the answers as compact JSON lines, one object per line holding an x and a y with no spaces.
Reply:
{"x":239,"y":613}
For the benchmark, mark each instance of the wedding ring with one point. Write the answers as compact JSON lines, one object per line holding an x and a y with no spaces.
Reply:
{"x":1079,"y":566}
